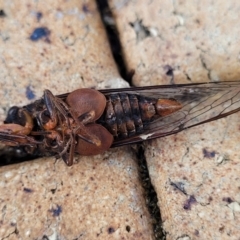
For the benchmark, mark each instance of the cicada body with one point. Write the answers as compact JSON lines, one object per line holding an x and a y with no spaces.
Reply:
{"x":89,"y":122}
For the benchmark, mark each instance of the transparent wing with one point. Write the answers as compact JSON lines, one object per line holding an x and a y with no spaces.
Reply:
{"x":201,"y":103}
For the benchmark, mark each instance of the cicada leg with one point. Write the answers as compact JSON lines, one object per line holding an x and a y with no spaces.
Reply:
{"x":13,"y":134}
{"x":71,"y":122}
{"x":58,"y":108}
{"x":85,"y":148}
{"x":69,"y":150}
{"x":11,"y":139}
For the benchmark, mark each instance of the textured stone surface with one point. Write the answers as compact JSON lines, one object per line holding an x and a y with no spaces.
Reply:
{"x":196,"y":175}
{"x":196,"y":172}
{"x":192,"y":40}
{"x":98,"y":198}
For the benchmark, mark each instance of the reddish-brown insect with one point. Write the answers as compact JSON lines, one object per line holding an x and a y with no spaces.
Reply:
{"x":89,"y":122}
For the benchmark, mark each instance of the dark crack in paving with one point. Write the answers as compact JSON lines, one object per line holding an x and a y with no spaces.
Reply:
{"x":150,"y":194}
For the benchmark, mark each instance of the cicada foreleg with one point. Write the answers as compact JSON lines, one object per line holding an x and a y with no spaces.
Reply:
{"x":62,"y":125}
{"x":15,"y":134}
{"x":58,"y":110}
{"x":68,"y":153}
{"x":65,"y":126}
{"x":55,"y":121}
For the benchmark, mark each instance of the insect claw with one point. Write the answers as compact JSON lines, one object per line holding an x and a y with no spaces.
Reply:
{"x":90,"y":139}
{"x":87,"y":117}
{"x":65,"y":158}
{"x":66,"y":155}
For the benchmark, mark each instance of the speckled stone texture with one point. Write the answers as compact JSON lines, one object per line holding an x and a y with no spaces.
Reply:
{"x":63,"y":46}
{"x":193,"y":41}
{"x":196,"y":172}
{"x":196,"y":175}
{"x":98,"y":198}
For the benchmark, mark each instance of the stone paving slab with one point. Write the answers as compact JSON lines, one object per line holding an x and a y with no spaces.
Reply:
{"x":194,"y":41}
{"x":196,"y":176}
{"x":63,"y":46}
{"x":98,"y":198}
{"x":196,"y":172}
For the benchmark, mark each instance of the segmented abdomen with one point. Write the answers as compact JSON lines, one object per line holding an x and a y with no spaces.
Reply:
{"x":127,"y":114}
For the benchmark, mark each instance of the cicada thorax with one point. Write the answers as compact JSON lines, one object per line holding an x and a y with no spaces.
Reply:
{"x":127,"y":115}
{"x":86,"y":107}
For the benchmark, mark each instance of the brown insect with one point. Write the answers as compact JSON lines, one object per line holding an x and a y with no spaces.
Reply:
{"x":89,"y":122}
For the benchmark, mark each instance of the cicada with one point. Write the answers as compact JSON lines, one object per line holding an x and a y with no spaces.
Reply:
{"x":89,"y":122}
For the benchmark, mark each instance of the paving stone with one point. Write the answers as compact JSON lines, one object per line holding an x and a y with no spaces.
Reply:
{"x":196,"y":176}
{"x":196,"y":172}
{"x":98,"y":198}
{"x":62,"y":46}
{"x":193,"y":41}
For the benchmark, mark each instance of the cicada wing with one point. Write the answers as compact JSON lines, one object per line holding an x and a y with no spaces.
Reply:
{"x":17,"y":140}
{"x":201,"y":103}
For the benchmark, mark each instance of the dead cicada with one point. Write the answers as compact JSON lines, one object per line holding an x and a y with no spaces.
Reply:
{"x":89,"y":122}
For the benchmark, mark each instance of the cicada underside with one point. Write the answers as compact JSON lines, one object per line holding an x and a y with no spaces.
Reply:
{"x":89,"y":122}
